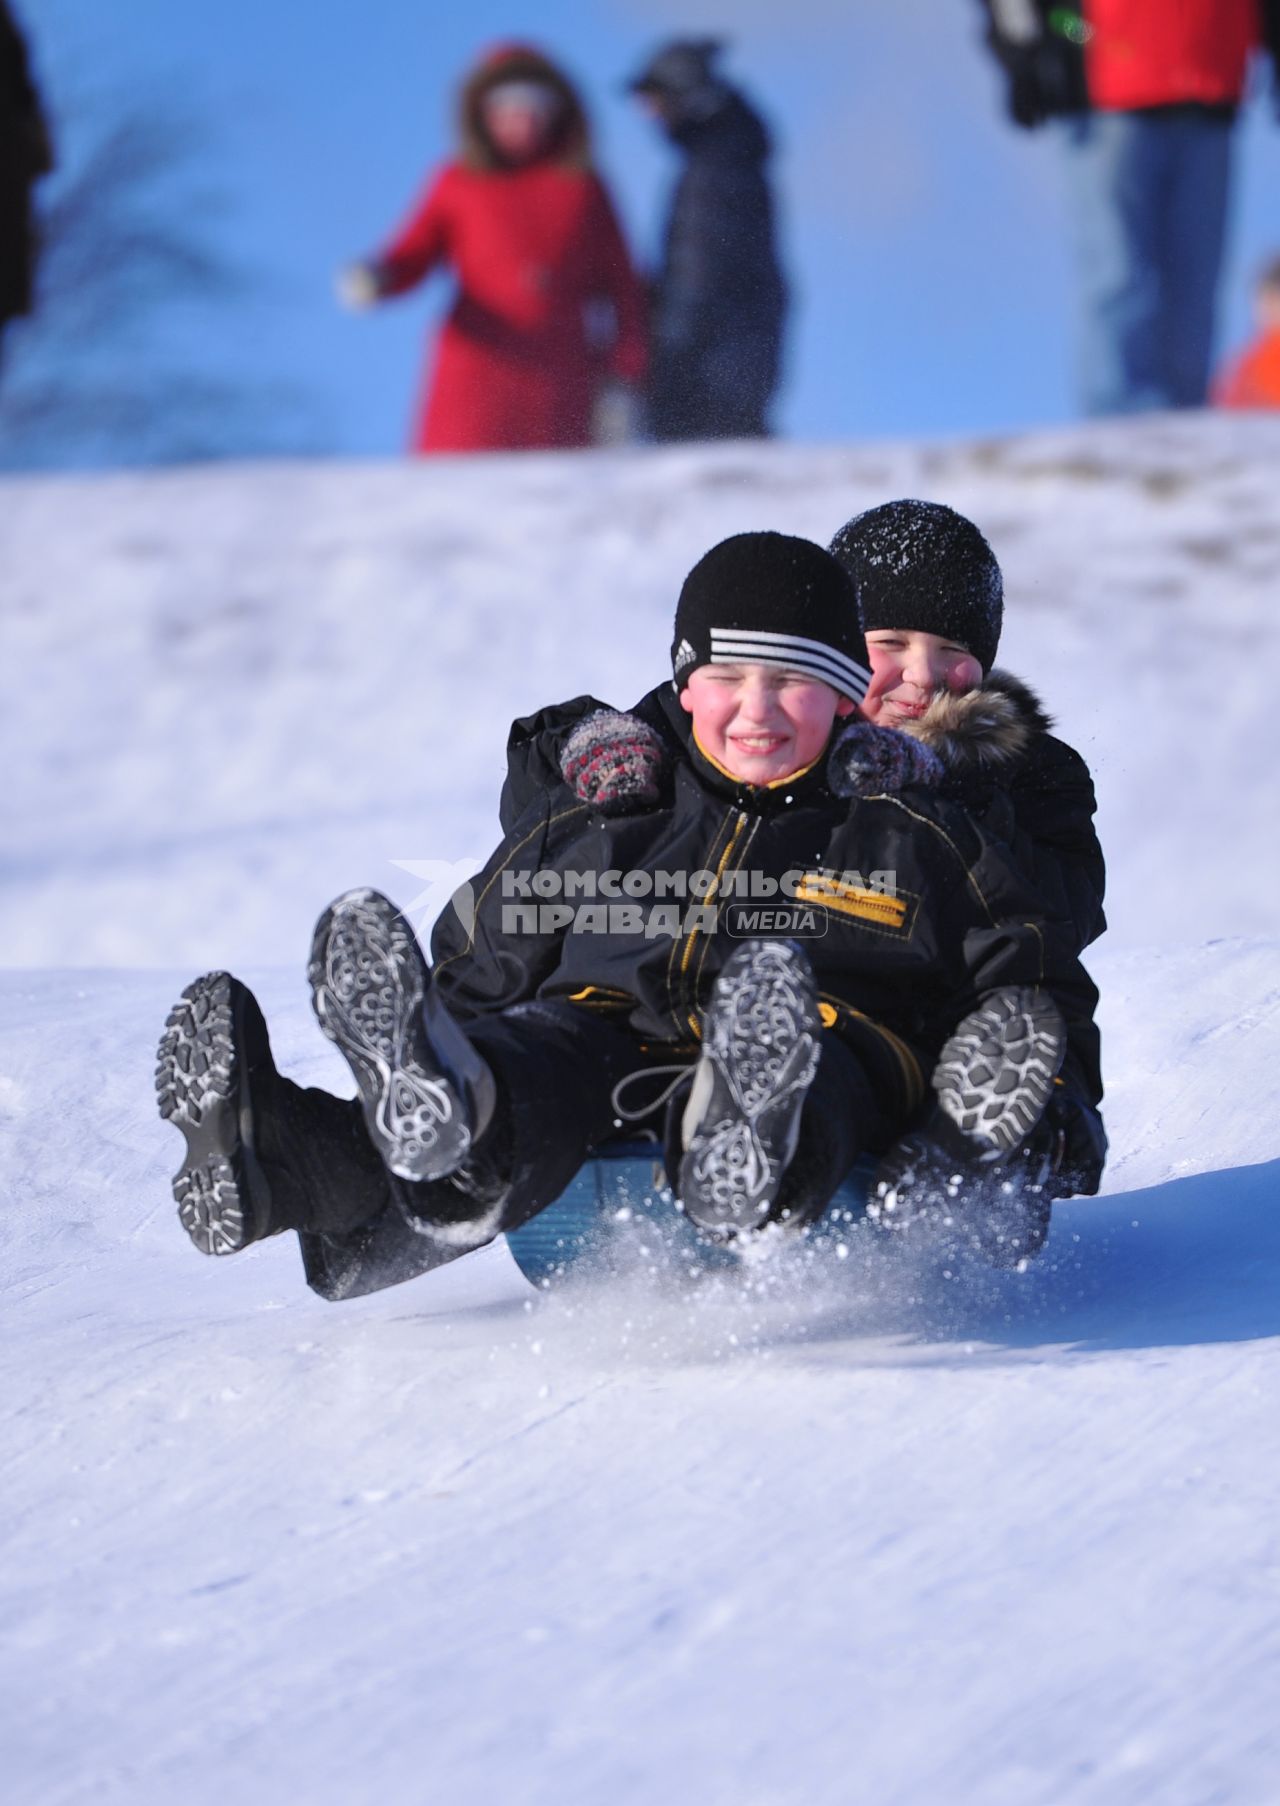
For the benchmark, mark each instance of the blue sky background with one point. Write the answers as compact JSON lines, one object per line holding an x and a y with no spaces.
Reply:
{"x":925,"y":238}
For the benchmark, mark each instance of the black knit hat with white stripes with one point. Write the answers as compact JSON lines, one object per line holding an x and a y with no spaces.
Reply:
{"x":768,"y":599}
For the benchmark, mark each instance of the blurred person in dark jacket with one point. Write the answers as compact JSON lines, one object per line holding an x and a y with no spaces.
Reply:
{"x":1148,"y":94}
{"x":26,"y":154}
{"x":719,"y":298}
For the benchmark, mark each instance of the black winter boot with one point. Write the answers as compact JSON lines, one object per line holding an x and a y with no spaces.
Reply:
{"x":426,"y":1093}
{"x":262,"y":1155}
{"x":980,"y":1167}
{"x":760,"y":1042}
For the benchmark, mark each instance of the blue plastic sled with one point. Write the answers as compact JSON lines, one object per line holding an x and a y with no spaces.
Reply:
{"x":618,"y":1214}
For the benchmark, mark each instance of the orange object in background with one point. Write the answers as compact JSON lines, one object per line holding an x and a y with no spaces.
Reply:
{"x":1253,"y":380}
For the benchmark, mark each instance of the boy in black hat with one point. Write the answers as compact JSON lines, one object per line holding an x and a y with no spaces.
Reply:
{"x":798,"y":922}
{"x":931,"y":596}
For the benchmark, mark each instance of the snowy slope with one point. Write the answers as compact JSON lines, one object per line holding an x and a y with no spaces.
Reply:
{"x":869,"y":1536}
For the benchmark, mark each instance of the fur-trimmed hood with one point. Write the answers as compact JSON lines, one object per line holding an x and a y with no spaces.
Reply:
{"x":571,"y":144}
{"x":980,"y":732}
{"x":988,"y":729}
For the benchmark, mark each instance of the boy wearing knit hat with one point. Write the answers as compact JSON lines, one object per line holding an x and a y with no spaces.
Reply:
{"x":487,"y":1077}
{"x":931,"y":595}
{"x":930,"y":592}
{"x":922,"y":566}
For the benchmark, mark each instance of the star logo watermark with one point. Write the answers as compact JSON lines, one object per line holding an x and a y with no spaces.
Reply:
{"x":446,"y":881}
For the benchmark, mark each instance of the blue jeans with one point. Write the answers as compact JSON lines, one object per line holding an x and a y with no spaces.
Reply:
{"x":1149,"y":192}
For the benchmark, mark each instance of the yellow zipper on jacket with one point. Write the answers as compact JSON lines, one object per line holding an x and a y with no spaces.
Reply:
{"x":853,"y":900}
{"x":688,"y":996}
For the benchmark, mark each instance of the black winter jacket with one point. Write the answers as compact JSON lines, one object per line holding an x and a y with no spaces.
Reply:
{"x":896,"y":968}
{"x":1024,"y":786}
{"x":1028,"y":788}
{"x":719,"y":297}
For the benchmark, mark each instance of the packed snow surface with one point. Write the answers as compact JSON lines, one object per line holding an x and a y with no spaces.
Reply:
{"x":870,"y":1533}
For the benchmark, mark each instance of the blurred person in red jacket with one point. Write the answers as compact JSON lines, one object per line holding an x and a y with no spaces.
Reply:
{"x":527,"y":227}
{"x":1148,"y":92}
{"x":1252,"y":380}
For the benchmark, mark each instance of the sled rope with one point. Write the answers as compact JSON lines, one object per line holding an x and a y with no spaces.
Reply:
{"x":682,"y":1072}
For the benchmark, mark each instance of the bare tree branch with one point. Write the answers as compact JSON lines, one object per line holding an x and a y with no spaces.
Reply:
{"x":129,"y":249}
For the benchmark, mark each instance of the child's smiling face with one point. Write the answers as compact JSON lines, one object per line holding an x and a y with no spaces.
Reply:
{"x":759,"y":723}
{"x":907,"y":671}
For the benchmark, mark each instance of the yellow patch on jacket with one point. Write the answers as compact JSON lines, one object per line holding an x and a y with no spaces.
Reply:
{"x":878,"y":906}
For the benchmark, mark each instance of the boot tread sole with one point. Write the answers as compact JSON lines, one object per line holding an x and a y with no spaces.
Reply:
{"x":197,"y":1089}
{"x":996,"y":1073}
{"x":761,"y":1043}
{"x":368,"y":985}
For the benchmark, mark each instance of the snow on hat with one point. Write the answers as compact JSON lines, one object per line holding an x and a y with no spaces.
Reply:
{"x":769,"y":599}
{"x":922,"y":568}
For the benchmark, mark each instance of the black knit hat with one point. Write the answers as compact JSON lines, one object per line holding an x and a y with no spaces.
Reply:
{"x":923,"y":568}
{"x":768,"y":599}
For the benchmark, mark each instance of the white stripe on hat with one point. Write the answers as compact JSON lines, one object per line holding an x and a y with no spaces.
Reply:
{"x":747,"y":646}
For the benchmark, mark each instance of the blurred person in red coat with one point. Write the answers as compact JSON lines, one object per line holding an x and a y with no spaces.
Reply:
{"x":528,"y":229}
{"x":1252,"y":379}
